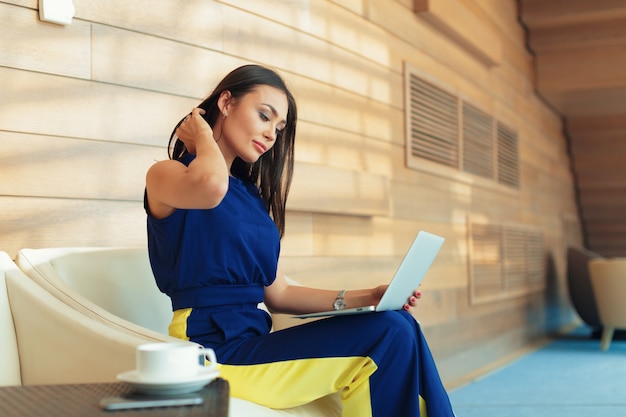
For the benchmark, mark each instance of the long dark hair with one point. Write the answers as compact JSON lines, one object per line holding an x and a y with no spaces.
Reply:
{"x":273,"y":171}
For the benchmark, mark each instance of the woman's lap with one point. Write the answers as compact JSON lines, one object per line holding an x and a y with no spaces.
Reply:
{"x":355,"y":335}
{"x":386,"y":350}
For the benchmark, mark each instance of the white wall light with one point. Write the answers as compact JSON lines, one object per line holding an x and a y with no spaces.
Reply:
{"x":57,"y":11}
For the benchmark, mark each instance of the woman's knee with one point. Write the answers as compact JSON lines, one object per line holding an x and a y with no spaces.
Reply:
{"x":401,"y":324}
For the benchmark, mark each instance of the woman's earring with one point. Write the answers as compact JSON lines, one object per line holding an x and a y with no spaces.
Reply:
{"x":224,"y":115}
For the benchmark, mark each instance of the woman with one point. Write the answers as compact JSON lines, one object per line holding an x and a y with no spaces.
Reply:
{"x":216,"y":213}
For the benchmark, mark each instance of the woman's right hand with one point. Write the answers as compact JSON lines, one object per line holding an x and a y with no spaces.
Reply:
{"x":193,"y":129}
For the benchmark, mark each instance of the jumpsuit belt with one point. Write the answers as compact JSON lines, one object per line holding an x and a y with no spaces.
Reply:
{"x":219,"y":295}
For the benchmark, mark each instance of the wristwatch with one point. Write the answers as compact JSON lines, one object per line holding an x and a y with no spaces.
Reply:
{"x":340,"y":303}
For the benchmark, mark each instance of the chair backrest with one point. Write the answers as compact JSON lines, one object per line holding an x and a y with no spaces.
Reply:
{"x":97,"y":281}
{"x":9,"y":355}
{"x":579,"y":285}
{"x":608,"y":277}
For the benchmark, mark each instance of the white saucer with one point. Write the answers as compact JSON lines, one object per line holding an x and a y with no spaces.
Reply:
{"x":176,"y":386}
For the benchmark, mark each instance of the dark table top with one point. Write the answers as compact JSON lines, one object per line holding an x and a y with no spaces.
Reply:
{"x":83,"y":400}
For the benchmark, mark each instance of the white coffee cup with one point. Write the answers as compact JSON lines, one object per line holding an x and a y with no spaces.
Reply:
{"x":173,"y":360}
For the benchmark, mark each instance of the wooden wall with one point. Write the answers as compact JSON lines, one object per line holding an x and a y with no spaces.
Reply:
{"x":85,"y":109}
{"x":580,"y":53}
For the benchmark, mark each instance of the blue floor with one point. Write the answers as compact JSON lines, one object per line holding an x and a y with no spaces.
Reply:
{"x":568,"y":377}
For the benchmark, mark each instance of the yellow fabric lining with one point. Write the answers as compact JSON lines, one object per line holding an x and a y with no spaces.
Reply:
{"x":292,"y":383}
{"x":178,"y":326}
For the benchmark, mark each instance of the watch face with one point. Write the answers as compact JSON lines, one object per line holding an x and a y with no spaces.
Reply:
{"x":340,"y":304}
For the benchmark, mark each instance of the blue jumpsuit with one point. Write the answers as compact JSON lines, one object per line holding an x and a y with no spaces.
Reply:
{"x":214,"y":265}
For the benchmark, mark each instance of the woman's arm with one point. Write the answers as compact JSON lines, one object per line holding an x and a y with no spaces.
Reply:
{"x":203,"y":184}
{"x":280,"y":297}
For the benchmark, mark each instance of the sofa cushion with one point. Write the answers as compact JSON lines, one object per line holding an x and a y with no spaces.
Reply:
{"x":329,"y":406}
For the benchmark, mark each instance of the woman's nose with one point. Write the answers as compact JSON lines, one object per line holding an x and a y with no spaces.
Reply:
{"x":271,"y":134}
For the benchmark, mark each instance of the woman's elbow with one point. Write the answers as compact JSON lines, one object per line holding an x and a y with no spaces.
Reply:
{"x":214,"y":188}
{"x":272,"y":306}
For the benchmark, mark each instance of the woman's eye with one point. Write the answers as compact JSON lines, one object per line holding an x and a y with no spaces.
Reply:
{"x":264,"y":117}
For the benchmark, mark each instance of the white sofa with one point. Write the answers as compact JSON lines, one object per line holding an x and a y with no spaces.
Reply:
{"x":115,"y":287}
{"x":44,"y":341}
{"x":10,"y":374}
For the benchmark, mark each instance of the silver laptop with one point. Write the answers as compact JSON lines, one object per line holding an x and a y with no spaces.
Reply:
{"x":408,"y":277}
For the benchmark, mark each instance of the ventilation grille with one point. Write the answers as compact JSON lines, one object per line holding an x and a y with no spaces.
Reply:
{"x":434,"y":121}
{"x":477,"y":142}
{"x":486,"y":260}
{"x":443,"y":128}
{"x":505,"y":262}
{"x":508,"y":158}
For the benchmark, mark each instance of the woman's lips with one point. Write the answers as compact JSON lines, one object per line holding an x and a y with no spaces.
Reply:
{"x":260,"y":146}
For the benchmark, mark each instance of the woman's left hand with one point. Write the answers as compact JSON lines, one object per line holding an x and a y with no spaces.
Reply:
{"x":412,"y":302}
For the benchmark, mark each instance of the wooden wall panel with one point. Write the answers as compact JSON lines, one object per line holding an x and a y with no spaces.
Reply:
{"x":61,"y":106}
{"x":579,"y":51}
{"x":336,"y":148}
{"x":55,"y":167}
{"x":345,"y":111}
{"x":326,"y":44}
{"x":26,"y":3}
{"x":340,"y":24}
{"x":192,"y":22}
{"x":406,"y":29}
{"x":542,"y":13}
{"x":168,"y":71}
{"x":352,"y":193}
{"x":511,"y":329}
{"x":597,"y":157}
{"x":85,"y":110}
{"x":298,"y":239}
{"x":564,"y":70}
{"x":31,"y":222}
{"x":459,"y":20}
{"x":39,"y":47}
{"x":359,"y":272}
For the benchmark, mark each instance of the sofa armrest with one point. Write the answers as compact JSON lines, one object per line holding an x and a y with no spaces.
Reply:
{"x":57,"y":344}
{"x":10,"y":371}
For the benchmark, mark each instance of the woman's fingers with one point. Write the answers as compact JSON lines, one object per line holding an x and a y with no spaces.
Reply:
{"x":413,"y":300}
